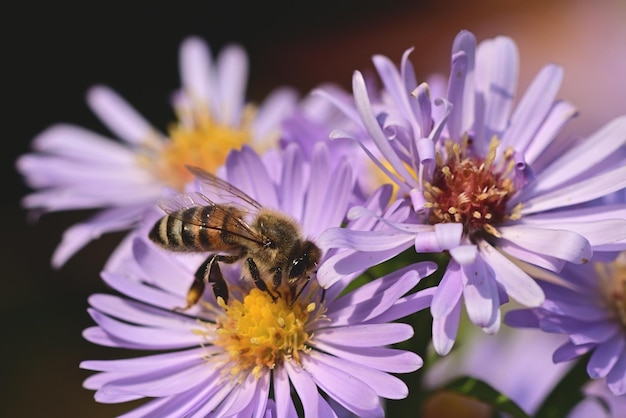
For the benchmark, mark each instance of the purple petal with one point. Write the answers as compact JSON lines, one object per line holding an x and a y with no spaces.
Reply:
{"x":118,"y":115}
{"x":445,"y":330}
{"x":372,"y":299}
{"x":292,"y":183}
{"x":583,"y":191}
{"x":383,"y":384}
{"x":443,"y":237}
{"x":519,"y":285}
{"x":408,"y":305}
{"x":422,"y":109}
{"x":157,"y":383}
{"x":502,"y":83}
{"x":232,"y":68}
{"x":141,"y":292}
{"x":350,"y":392}
{"x":602,"y":233}
{"x":138,"y":313}
{"x":605,"y":356}
{"x":616,"y":379}
{"x":533,"y":108}
{"x":522,"y":318}
{"x":149,"y":338}
{"x":215,"y":398}
{"x":140,"y":364}
{"x":78,"y":235}
{"x":464,"y":254}
{"x":96,"y":381}
{"x":583,"y":156}
{"x":196,"y":69}
{"x":369,"y":335}
{"x":363,"y":240}
{"x":246,"y":171}
{"x":552,"y":242}
{"x":394,"y":85}
{"x":259,"y":403}
{"x":326,"y":185}
{"x":97,"y":335}
{"x":339,"y":192}
{"x":342,"y":265}
{"x":380,"y":358}
{"x":569,"y":351}
{"x":559,"y":115}
{"x":75,"y":142}
{"x":275,"y":108}
{"x":282,"y":393}
{"x":581,"y":332}
{"x":160,"y":407}
{"x":305,"y":388}
{"x":339,"y":99}
{"x":532,"y":257}
{"x":461,"y":84}
{"x":480,"y":293}
{"x":371,"y":124}
{"x":163,"y":271}
{"x":242,"y":395}
{"x":448,"y":293}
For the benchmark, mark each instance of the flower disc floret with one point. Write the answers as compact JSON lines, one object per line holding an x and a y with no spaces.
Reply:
{"x":259,"y":333}
{"x":612,"y":278}
{"x":469,"y":190}
{"x":205,"y":143}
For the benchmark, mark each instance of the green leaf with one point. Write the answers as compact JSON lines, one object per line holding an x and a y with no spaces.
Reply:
{"x":481,"y":391}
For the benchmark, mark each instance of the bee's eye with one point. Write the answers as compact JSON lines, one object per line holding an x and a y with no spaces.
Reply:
{"x":299,"y":266}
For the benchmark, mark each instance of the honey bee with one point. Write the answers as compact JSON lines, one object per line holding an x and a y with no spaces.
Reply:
{"x":267,"y":242}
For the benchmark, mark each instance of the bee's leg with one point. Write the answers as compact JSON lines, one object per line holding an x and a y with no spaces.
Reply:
{"x":194,"y":293}
{"x":278,"y":277}
{"x":209,"y":272}
{"x":292,"y":289}
{"x":256,"y":277}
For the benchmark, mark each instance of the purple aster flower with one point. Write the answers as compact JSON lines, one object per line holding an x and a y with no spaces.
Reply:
{"x":591,"y":310}
{"x":254,"y":355}
{"x":490,"y":183}
{"x":74,"y":168}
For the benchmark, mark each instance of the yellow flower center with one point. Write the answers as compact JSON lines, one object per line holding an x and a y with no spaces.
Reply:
{"x":204,"y":143}
{"x":470,"y":190}
{"x":260,"y":333}
{"x":613,"y":285}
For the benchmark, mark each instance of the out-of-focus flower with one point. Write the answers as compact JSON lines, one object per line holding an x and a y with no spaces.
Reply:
{"x":599,"y":402}
{"x":74,"y":168}
{"x":592,"y":312}
{"x":530,"y":374}
{"x":488,"y":181}
{"x":254,"y":356}
{"x":314,"y":120}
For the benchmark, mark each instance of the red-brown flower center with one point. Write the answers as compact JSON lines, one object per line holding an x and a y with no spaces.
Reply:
{"x":470,"y":190}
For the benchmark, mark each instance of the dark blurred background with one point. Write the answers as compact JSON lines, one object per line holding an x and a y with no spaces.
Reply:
{"x":53,"y":51}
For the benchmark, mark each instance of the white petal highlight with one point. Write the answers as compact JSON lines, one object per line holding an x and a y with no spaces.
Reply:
{"x":519,"y":285}
{"x":558,"y":243}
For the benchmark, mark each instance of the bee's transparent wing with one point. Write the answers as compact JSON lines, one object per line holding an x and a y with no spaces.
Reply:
{"x":210,"y":215}
{"x":177,"y":202}
{"x":222,"y":191}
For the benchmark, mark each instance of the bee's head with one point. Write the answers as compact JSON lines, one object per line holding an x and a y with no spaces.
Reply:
{"x":305,"y":262}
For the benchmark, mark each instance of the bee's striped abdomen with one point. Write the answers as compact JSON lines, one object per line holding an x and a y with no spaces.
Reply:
{"x":187,"y":230}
